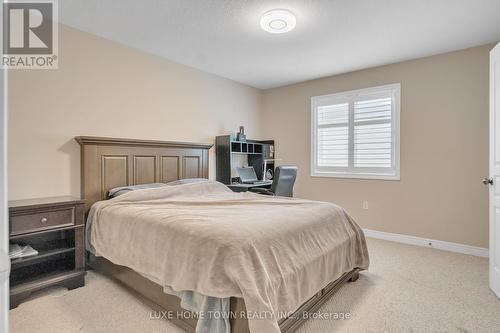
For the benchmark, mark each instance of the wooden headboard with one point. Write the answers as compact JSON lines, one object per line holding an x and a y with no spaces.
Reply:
{"x":110,"y":162}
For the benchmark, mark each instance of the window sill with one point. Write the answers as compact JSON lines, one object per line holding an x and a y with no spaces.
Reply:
{"x":367,"y":176}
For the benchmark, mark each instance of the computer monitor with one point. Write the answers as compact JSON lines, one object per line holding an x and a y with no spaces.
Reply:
{"x":247,"y":174}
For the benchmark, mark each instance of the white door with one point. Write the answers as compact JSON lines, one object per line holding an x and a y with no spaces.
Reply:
{"x":494,"y":180}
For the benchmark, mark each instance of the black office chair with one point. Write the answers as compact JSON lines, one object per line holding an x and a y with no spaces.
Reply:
{"x":284,"y":178}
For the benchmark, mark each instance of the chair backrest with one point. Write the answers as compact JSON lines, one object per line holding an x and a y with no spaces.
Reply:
{"x":284,"y":178}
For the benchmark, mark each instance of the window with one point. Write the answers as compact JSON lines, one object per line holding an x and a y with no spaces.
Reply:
{"x":355,"y":134}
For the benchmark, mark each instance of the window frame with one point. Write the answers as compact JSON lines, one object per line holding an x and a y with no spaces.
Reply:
{"x":350,"y":171}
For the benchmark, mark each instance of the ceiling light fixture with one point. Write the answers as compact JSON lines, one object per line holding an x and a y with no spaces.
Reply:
{"x":278,"y":21}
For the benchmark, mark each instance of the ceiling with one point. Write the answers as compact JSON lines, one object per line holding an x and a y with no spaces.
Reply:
{"x":223,"y":37}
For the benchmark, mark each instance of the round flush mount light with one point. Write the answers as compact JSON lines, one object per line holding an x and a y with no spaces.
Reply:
{"x":278,"y":21}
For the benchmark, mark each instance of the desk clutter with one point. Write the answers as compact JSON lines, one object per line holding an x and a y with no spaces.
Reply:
{"x":247,"y":175}
{"x":20,"y":251}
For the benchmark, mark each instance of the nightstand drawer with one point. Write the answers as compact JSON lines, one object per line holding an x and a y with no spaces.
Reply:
{"x":43,"y":220}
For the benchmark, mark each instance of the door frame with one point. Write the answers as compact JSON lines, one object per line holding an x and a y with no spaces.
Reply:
{"x":4,"y":241}
{"x":493,"y":277}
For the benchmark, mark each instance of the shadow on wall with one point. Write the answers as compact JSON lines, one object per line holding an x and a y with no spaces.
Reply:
{"x":72,"y":149}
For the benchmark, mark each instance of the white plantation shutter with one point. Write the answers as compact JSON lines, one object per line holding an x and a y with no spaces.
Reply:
{"x":373,"y":145}
{"x":333,"y":139}
{"x":373,"y":133}
{"x":356,"y":134}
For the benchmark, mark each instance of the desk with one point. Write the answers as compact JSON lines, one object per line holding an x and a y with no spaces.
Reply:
{"x":230,"y":154}
{"x":238,"y":187}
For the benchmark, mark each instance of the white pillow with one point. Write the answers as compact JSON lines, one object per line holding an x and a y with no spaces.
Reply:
{"x":187,"y":181}
{"x":113,"y":193}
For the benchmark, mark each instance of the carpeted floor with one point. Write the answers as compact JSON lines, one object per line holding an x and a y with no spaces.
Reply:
{"x":407,"y":289}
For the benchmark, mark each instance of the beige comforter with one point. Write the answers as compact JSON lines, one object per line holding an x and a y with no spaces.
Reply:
{"x":274,"y":252}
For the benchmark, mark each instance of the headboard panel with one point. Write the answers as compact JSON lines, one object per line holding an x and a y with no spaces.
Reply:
{"x":109,"y":162}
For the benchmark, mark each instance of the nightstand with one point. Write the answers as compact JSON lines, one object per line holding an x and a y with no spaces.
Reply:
{"x":55,"y":228}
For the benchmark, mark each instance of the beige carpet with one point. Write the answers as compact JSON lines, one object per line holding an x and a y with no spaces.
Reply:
{"x":407,"y":289}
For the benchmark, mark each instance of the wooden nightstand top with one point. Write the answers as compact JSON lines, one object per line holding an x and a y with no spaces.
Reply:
{"x":44,"y":202}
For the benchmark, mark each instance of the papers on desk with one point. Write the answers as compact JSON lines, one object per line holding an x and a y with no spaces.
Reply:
{"x":17,"y":251}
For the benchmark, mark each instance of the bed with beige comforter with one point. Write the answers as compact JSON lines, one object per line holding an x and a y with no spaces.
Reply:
{"x":273,"y":252}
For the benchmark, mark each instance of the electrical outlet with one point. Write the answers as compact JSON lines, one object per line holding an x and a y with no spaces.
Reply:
{"x":365,"y":205}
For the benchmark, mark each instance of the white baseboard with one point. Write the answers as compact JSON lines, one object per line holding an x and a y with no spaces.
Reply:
{"x":435,"y":244}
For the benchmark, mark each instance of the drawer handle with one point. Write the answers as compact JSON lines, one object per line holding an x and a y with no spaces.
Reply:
{"x":44,"y":220}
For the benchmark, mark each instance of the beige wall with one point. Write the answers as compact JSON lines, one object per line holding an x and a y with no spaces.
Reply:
{"x":105,"y":89}
{"x":444,"y":147}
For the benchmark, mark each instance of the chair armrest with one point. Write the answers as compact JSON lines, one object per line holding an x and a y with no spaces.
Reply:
{"x":261,"y":190}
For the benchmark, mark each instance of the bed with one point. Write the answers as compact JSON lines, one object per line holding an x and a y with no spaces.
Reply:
{"x":109,"y":163}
